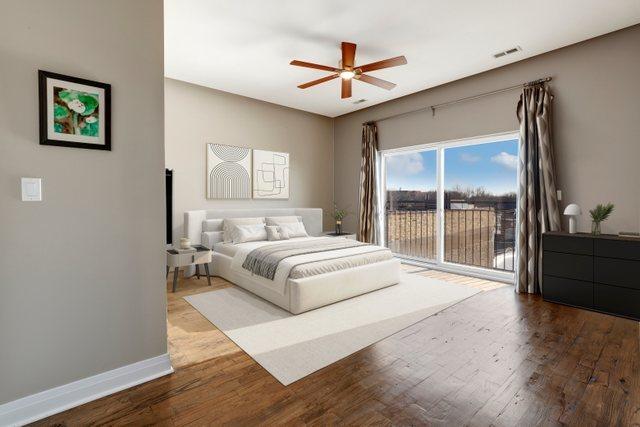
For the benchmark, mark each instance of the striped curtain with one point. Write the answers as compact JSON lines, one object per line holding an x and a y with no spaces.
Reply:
{"x":537,"y":204}
{"x":368,"y":227}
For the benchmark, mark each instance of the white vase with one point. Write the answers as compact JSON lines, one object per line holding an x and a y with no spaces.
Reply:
{"x":185,"y":243}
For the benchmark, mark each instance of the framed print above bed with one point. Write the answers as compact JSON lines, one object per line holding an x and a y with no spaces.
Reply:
{"x":74,"y":112}
{"x":270,"y":175}
{"x":228,"y":172}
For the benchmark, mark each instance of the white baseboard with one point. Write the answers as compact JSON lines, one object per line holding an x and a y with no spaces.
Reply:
{"x":40,"y":405}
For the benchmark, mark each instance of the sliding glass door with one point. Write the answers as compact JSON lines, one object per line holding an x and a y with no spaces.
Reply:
{"x":454,"y":203}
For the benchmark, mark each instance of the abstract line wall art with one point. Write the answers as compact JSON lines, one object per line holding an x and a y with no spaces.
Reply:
{"x":228,"y":172}
{"x":270,"y":175}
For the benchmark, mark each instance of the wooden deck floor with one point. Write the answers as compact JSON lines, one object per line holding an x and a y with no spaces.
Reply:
{"x":473,"y":282}
{"x":494,"y":359}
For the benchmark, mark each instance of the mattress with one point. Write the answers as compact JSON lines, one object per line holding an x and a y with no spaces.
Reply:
{"x":230,"y":249}
{"x":305,"y":265}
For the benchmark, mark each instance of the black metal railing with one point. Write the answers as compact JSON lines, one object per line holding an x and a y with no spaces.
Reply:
{"x":481,"y":237}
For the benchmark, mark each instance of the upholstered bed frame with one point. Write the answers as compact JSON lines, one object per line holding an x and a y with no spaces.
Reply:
{"x":301,"y":294}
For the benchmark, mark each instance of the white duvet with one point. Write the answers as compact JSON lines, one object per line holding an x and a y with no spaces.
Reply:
{"x":323,"y":261}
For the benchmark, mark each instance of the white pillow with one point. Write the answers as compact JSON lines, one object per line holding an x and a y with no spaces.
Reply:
{"x":229,"y":223}
{"x":294,"y":229}
{"x":248,"y":233}
{"x":275,"y":232}
{"x":210,"y":238}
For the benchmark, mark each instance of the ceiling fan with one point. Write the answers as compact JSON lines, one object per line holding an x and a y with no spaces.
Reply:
{"x":347,"y":70}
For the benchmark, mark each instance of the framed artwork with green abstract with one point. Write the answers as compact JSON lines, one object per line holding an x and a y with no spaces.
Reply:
{"x":74,"y":112}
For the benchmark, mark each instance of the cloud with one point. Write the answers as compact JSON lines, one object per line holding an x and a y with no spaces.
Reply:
{"x":405,"y":164}
{"x":470,"y":158}
{"x":507,"y":160}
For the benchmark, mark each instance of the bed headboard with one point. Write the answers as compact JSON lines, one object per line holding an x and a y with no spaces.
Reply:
{"x":311,"y":218}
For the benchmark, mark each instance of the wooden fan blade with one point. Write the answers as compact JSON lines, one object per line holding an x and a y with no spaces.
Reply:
{"x":376,"y":82}
{"x":317,"y":82}
{"x":312,"y":65}
{"x":346,"y":88}
{"x":387,"y":63}
{"x":348,"y":55}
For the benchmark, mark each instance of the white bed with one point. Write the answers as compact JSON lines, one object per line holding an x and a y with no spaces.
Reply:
{"x":296,"y":295}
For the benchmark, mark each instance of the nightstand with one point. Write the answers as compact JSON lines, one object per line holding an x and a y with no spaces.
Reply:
{"x":199,"y":255}
{"x":351,"y":236}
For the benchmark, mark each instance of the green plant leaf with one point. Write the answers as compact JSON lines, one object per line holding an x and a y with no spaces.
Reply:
{"x":601,"y":212}
{"x":60,"y":111}
{"x":90,"y":102}
{"x":68,"y":95}
{"x":58,"y":128}
{"x":89,"y":129}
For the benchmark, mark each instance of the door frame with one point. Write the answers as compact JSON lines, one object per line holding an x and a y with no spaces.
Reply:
{"x":439,"y":263}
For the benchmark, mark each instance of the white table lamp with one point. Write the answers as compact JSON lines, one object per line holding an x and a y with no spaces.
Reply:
{"x":572,"y":211}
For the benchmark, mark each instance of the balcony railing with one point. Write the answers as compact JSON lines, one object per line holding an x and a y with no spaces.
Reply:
{"x":477,"y":237}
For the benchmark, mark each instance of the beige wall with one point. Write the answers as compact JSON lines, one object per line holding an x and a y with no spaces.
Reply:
{"x":82,"y":272}
{"x":196,"y":115}
{"x":596,"y":123}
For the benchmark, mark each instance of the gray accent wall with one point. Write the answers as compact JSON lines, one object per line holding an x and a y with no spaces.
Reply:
{"x":596,"y":123}
{"x":196,"y":115}
{"x":82,"y":272}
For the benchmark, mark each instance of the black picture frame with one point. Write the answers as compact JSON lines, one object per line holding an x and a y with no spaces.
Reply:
{"x":104,"y":109}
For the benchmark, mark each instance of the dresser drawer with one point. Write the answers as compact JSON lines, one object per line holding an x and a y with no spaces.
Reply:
{"x":568,"y":244}
{"x":615,"y":300}
{"x":570,"y":266}
{"x":568,"y":291}
{"x":617,"y":272}
{"x":611,"y":248}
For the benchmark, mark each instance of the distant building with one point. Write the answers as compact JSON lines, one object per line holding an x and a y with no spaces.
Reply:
{"x":461,"y":204}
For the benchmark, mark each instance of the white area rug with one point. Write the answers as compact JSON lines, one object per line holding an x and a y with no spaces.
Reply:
{"x":291,"y":346}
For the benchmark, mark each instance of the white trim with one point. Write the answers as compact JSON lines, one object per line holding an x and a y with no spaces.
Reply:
{"x":466,"y":270}
{"x":440,"y":234}
{"x":496,"y":137}
{"x":382,"y":214}
{"x":40,"y":405}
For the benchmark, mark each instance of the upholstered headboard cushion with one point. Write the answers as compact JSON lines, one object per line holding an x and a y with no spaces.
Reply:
{"x":275,"y":220}
{"x":209,"y":238}
{"x":194,"y":220}
{"x":212,"y":225}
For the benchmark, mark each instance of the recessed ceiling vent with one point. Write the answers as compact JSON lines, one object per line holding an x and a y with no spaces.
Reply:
{"x":360,"y":101}
{"x":507,"y":52}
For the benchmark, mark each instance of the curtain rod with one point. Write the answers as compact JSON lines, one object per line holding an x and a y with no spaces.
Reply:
{"x":457,"y":101}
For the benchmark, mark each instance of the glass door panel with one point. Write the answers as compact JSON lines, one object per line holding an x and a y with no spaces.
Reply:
{"x":480,"y":187}
{"x":411,"y":203}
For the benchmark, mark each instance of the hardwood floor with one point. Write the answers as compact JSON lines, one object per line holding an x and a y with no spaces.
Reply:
{"x":497,"y":358}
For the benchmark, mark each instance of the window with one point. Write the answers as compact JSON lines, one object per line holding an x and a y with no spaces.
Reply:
{"x":411,"y":203}
{"x":454,"y":203}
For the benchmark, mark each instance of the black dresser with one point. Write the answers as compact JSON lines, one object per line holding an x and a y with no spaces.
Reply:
{"x":596,"y":272}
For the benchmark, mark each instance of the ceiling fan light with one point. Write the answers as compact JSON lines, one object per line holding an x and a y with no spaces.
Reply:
{"x":347,"y":75}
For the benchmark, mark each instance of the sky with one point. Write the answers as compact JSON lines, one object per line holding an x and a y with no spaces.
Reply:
{"x":492,"y":166}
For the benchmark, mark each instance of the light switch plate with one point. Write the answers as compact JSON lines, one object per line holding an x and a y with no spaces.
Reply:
{"x":31,"y":189}
{"x":559,"y":195}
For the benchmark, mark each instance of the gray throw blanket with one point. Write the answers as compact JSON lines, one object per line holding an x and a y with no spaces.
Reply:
{"x":264,"y":261}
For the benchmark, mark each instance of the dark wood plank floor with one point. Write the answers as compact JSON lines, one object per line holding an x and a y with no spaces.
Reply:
{"x":494,"y":359}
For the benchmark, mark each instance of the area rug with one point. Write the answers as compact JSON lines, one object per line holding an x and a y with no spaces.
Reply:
{"x":291,"y":346}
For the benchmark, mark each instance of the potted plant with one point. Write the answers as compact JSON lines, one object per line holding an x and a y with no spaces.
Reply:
{"x":599,"y":214}
{"x":338,"y":216}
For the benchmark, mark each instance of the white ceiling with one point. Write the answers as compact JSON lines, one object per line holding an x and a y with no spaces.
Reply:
{"x":245,"y":46}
